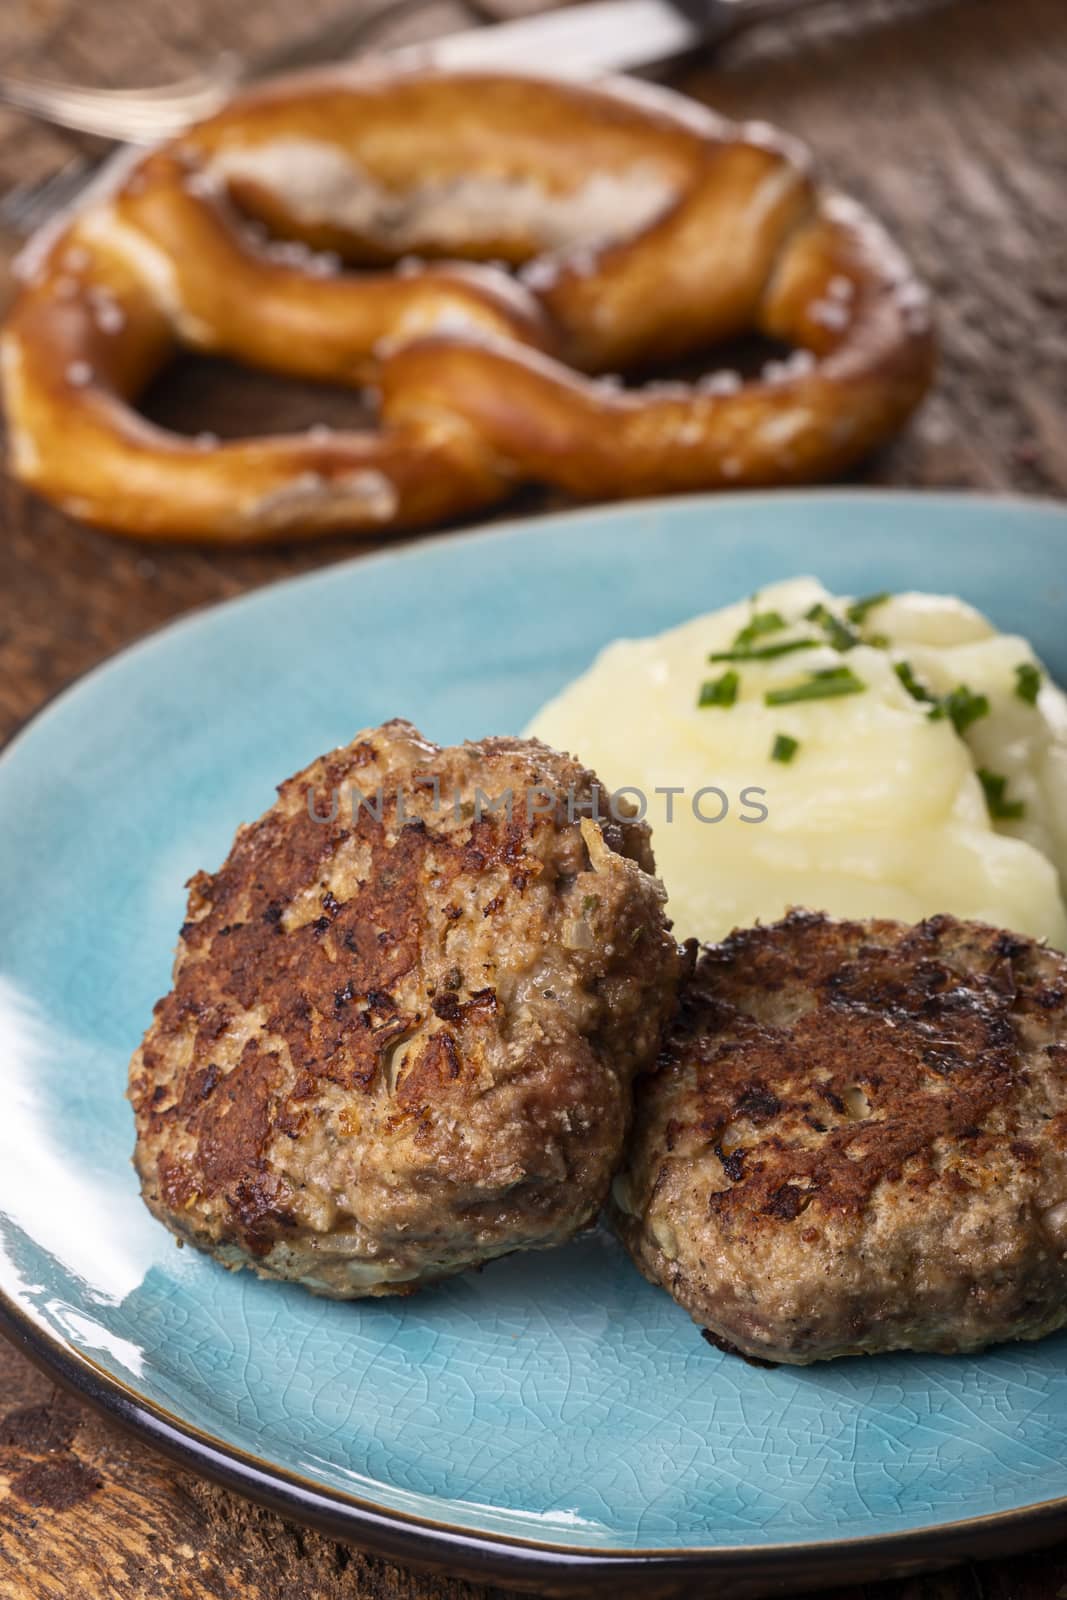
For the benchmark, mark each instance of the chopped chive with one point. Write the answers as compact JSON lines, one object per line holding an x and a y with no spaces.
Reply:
{"x":1000,"y":808}
{"x":719,"y":691}
{"x":878,"y":641}
{"x":1027,"y":682}
{"x":917,"y":690}
{"x":859,"y":609}
{"x":784,"y":747}
{"x":764,"y":652}
{"x":826,"y":685}
{"x":759,"y":623}
{"x":962,"y":707}
{"x":838,"y":633}
{"x":590,"y":903}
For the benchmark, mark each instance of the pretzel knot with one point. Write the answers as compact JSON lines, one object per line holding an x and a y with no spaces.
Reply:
{"x":360,"y":229}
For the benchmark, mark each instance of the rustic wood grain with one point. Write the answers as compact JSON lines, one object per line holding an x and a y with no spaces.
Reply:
{"x":950,"y":121}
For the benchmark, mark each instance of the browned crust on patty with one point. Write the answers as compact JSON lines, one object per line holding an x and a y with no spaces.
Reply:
{"x":856,"y":1139}
{"x":401,"y":1040}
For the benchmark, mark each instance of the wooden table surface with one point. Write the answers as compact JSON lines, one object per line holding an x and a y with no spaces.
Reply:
{"x":951,"y":121}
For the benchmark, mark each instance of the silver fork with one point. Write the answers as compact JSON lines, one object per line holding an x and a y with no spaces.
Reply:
{"x":143,"y":116}
{"x":138,"y":116}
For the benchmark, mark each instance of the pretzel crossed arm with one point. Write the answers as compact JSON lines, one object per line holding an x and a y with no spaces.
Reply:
{"x":641,"y":227}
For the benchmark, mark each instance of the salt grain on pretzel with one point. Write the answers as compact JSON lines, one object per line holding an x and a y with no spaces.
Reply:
{"x":643,"y":228}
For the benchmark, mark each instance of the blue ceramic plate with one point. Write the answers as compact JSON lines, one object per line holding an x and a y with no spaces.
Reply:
{"x":553,"y":1420}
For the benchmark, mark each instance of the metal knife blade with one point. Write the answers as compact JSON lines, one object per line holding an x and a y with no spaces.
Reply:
{"x":577,"y":42}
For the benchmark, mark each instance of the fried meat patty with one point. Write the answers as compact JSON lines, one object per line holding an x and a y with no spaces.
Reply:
{"x":401,"y":1042}
{"x":856,"y":1140}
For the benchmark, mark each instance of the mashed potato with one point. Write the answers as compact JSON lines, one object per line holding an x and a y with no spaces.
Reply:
{"x":874,"y":806}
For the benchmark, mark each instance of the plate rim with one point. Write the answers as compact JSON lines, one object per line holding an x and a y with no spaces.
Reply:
{"x":486,"y":1556}
{"x":511,"y":1559}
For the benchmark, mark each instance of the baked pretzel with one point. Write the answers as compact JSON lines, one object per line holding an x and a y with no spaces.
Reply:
{"x":641,"y":227}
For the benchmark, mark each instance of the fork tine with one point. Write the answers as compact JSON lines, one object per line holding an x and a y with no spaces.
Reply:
{"x":29,"y":204}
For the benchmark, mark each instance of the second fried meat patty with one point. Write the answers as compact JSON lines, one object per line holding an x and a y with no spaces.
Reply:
{"x":856,"y":1140}
{"x":401,"y":1042}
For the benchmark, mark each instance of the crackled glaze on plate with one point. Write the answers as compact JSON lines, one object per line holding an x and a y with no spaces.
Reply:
{"x":552,"y":1398}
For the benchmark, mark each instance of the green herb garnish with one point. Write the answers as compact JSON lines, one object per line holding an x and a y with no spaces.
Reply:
{"x":962,"y":707}
{"x":764,"y":652}
{"x":1000,"y":808}
{"x":838,"y":633}
{"x":825,"y":685}
{"x":719,"y":691}
{"x":1027,"y":682}
{"x":784,"y":747}
{"x":858,"y":610}
{"x":917,"y":690}
{"x":759,"y":623}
